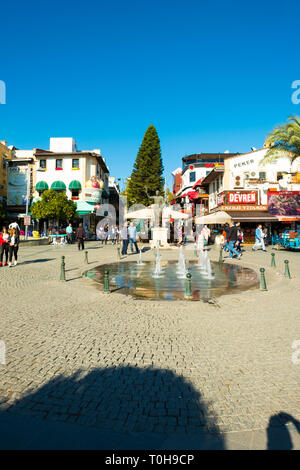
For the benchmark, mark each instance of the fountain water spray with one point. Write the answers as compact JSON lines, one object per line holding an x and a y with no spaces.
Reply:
{"x":139,"y":261}
{"x":181,"y":266}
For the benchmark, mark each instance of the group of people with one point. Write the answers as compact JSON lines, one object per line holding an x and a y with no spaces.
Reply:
{"x":129,"y":236}
{"x":108,"y":232}
{"x":9,"y":245}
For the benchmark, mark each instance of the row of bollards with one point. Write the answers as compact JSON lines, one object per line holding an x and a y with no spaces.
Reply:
{"x":287,"y":274}
{"x":188,"y":285}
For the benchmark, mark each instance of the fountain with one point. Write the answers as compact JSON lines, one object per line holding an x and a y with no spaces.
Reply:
{"x":164,"y":280}
{"x":181,"y":265}
{"x":158,"y":269}
{"x":139,"y":261}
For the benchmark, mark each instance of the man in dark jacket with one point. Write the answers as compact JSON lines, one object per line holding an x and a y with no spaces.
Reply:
{"x":232,"y":237}
{"x":80,"y":236}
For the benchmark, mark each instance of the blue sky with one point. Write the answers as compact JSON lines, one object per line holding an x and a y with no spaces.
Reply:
{"x":210,"y":76}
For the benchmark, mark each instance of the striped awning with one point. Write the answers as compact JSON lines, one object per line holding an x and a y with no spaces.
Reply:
{"x":42,"y":186}
{"x":58,"y":186}
{"x":75,"y":185}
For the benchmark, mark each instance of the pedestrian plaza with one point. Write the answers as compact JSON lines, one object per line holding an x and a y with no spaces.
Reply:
{"x":87,"y":369}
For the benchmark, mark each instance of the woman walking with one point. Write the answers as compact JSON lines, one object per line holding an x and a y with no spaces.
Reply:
{"x":4,"y":245}
{"x":13,"y":246}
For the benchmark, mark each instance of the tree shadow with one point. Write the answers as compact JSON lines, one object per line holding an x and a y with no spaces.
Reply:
{"x":148,"y":407}
{"x":278,"y":434}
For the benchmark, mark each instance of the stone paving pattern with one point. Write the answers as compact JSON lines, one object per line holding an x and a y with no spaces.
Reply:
{"x":76,"y":355}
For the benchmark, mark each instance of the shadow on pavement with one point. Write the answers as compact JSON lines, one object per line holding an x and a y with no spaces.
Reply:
{"x":278,"y":434}
{"x":42,"y":260}
{"x":112,"y":408}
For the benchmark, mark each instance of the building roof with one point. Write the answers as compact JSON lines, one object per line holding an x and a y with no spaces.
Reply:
{"x":215,"y":172}
{"x":208,"y":156}
{"x":83,"y":153}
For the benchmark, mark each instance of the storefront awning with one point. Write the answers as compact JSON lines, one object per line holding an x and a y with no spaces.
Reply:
{"x":84,"y":208}
{"x":75,"y":185}
{"x":58,"y":186}
{"x":252,"y":216}
{"x":42,"y":186}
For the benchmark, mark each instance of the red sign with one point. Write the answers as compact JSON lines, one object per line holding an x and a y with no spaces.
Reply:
{"x":242,"y":198}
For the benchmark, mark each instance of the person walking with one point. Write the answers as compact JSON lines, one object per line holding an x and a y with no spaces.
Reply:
{"x":13,"y":246}
{"x":232,"y":239}
{"x":259,"y":238}
{"x":124,"y":238}
{"x":105,"y":234}
{"x":4,"y":245}
{"x":239,"y":237}
{"x":80,"y":236}
{"x":69,"y":232}
{"x":132,"y":237}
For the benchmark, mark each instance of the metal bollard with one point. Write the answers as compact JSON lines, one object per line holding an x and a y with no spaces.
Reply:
{"x":273,"y":264}
{"x":62,"y":269}
{"x":221,"y":255}
{"x":263,"y":285}
{"x":86,"y":257}
{"x":106,"y":282}
{"x":287,"y":273}
{"x":118,"y":252}
{"x":195,"y":249}
{"x":188,"y":287}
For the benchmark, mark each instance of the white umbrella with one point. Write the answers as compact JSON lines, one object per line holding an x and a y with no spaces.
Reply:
{"x":146,"y":213}
{"x":219,"y":217}
{"x":169,"y":213}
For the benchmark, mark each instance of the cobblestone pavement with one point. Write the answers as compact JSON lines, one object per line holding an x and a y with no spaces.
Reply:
{"x":76,"y":355}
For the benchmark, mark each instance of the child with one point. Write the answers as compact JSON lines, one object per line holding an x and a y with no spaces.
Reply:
{"x":4,"y":245}
{"x":13,"y":246}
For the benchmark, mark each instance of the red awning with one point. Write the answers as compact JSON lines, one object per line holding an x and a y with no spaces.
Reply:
{"x":193,"y":194}
{"x":197,"y":183}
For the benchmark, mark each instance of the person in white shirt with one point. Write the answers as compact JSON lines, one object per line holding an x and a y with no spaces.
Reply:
{"x":13,"y":246}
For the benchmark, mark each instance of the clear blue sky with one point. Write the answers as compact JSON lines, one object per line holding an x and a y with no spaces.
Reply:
{"x":210,"y":76}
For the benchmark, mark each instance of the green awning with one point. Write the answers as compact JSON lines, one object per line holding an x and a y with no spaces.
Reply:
{"x":84,"y":208}
{"x":42,"y":186}
{"x":75,"y":185}
{"x":58,"y":186}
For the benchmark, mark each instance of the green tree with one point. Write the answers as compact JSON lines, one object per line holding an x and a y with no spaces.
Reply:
{"x":147,"y":174}
{"x":54,"y":206}
{"x":284,"y":140}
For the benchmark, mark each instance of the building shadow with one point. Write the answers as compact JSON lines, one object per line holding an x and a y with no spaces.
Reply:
{"x":149,"y":408}
{"x":278,"y":434}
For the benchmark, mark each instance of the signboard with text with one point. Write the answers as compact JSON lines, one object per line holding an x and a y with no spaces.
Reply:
{"x":237,"y":197}
{"x":16,"y":185}
{"x":244,"y":208}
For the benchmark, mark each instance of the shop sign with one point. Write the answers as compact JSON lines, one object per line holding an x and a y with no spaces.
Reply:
{"x":244,"y":208}
{"x":93,"y":195}
{"x":244,"y":197}
{"x":237,"y":197}
{"x":17,"y":185}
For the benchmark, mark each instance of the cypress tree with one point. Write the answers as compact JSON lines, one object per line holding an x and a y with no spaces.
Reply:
{"x":147,"y":174}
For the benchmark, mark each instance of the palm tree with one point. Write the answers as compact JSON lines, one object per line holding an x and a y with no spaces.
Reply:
{"x":284,"y":141}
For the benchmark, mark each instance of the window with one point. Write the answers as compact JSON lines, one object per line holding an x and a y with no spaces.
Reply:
{"x":279,"y":175}
{"x":192,"y":176}
{"x":75,"y":164}
{"x":59,"y":164}
{"x":262,"y":176}
{"x":75,"y":194}
{"x":43,"y":164}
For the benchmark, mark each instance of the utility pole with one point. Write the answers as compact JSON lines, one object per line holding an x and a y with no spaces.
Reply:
{"x":27,"y":197}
